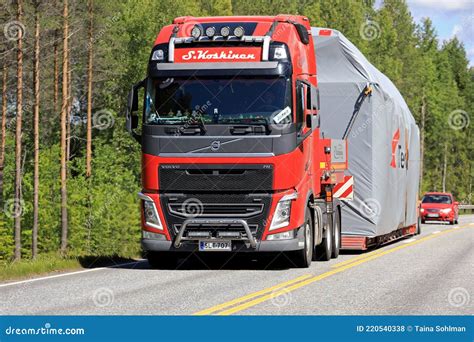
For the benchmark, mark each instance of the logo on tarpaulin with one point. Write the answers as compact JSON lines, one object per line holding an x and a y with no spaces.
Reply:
{"x":399,"y":156}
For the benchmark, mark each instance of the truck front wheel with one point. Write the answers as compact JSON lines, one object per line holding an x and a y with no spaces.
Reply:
{"x":304,"y":256}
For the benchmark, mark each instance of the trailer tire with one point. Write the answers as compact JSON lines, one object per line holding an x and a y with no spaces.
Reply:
{"x":324,"y":250}
{"x":336,"y":235}
{"x":162,"y":260}
{"x":304,"y":256}
{"x":418,"y":226}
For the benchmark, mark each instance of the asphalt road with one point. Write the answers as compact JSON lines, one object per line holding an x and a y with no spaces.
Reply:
{"x":430,"y":274}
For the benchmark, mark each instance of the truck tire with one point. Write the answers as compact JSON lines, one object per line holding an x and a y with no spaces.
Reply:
{"x":336,"y":237}
{"x":162,"y":260}
{"x":304,"y":256}
{"x":418,"y":226}
{"x":324,"y":250}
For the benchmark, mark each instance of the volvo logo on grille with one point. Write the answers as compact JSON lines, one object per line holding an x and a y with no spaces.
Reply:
{"x":215,"y":145}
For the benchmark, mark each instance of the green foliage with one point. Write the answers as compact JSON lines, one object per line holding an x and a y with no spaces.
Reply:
{"x":43,"y":264}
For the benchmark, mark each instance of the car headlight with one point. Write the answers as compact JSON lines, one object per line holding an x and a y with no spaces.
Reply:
{"x":446,"y":211}
{"x":281,"y":217}
{"x":422,"y":210}
{"x":150,"y":213}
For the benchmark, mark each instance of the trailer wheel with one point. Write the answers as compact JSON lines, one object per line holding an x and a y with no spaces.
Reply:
{"x":304,"y":256}
{"x":418,"y":226}
{"x":162,"y":260}
{"x":336,"y":239}
{"x":324,"y":250}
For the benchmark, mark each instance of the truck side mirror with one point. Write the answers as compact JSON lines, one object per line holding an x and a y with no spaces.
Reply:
{"x":131,"y":121}
{"x":315,"y":98}
{"x":309,"y":120}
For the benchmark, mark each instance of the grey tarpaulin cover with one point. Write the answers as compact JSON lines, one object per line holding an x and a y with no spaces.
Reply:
{"x":384,"y":143}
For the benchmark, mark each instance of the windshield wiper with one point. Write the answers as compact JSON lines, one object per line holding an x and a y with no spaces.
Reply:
{"x":252,"y":127}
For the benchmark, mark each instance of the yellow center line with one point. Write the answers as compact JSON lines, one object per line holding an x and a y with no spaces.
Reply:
{"x":351,"y":260}
{"x":251,"y":295}
{"x":283,"y":288}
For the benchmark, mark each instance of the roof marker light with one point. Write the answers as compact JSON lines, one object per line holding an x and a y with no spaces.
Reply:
{"x":239,"y":32}
{"x":210,"y":31}
{"x":158,"y":55}
{"x":196,"y":32}
{"x":225,"y":31}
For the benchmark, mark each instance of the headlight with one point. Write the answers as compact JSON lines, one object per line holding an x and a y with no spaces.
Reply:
{"x":282,"y":236}
{"x":154,"y":236}
{"x":281,"y":217}
{"x":446,"y":211}
{"x":150,"y":213}
{"x":422,"y":210}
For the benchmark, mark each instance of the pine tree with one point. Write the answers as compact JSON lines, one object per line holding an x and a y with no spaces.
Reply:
{"x":64,"y":117}
{"x":18,"y":135}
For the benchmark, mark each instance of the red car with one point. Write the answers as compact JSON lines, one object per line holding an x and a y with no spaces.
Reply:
{"x":439,"y":206}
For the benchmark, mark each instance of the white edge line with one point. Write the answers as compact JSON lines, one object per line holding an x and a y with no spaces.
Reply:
{"x":67,"y":274}
{"x":436,"y":232}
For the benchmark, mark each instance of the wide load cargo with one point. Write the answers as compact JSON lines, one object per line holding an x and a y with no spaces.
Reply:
{"x":360,"y":103}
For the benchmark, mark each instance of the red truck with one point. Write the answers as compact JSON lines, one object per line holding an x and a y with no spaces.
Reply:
{"x":232,"y":157}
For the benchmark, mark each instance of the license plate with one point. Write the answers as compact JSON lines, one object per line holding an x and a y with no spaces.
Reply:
{"x":215,"y":246}
{"x":433,"y":215}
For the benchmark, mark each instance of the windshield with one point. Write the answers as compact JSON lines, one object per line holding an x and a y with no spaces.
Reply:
{"x":218,"y":100}
{"x":443,"y":199}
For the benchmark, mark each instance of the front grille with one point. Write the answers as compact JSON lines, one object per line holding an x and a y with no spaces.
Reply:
{"x":433,"y":210}
{"x":222,"y":210}
{"x":211,"y":177}
{"x":253,"y":208}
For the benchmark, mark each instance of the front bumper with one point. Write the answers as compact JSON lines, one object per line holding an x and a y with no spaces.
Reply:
{"x":152,"y":245}
{"x":441,"y":217}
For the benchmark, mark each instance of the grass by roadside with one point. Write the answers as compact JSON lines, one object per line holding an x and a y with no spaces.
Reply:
{"x":52,"y":263}
{"x":43,"y":264}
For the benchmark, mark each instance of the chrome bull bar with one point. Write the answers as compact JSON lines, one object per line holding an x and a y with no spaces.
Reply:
{"x":250,"y":237}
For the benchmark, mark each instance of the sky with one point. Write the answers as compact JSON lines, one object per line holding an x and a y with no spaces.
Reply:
{"x":450,"y":18}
